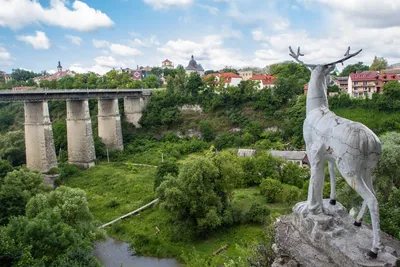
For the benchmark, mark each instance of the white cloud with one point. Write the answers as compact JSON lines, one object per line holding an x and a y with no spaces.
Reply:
{"x":162,"y":4}
{"x":76,"y":40}
{"x":107,"y":61}
{"x":117,"y":49}
{"x":211,"y":9}
{"x":5,"y":57}
{"x":38,"y":41}
{"x":100,"y":43}
{"x":364,"y":13}
{"x":79,"y":68}
{"x":20,"y":13}
{"x":102,"y":65}
{"x":123,"y":50}
{"x":145,"y":42}
{"x":209,"y":52}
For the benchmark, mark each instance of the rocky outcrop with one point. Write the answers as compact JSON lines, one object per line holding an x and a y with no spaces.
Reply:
{"x":329,"y":239}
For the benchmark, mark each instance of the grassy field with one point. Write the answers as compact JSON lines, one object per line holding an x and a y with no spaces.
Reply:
{"x":379,"y":122}
{"x":114,"y":189}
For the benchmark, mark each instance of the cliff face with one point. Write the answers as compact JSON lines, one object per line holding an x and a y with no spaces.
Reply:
{"x":329,"y":239}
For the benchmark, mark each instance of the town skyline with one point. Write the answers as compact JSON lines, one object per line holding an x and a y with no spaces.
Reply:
{"x":98,"y":36}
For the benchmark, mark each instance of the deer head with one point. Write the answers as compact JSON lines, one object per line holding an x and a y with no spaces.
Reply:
{"x":322,"y":69}
{"x":319,"y":78}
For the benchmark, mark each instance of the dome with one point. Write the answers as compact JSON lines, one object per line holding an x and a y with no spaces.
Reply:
{"x":192,"y":62}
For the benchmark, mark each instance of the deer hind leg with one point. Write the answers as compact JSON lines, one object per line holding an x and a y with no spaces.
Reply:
{"x":369,"y":197}
{"x":331,"y":167}
{"x":368,"y":181}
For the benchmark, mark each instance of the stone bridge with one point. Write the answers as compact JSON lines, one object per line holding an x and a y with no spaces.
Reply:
{"x":40,"y":151}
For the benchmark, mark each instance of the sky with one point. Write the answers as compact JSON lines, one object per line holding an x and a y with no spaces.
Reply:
{"x":98,"y":35}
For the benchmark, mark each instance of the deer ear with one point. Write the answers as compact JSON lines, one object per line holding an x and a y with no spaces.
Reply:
{"x":330,"y":69}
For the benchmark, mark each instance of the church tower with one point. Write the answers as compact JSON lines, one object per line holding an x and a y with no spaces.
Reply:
{"x":59,"y":67}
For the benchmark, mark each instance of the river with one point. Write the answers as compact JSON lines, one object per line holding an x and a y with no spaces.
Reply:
{"x":114,"y":253}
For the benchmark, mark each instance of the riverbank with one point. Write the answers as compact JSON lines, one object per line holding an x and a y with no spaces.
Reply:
{"x":114,"y":189}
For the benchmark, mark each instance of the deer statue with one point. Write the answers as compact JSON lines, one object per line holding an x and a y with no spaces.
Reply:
{"x":353,"y":147}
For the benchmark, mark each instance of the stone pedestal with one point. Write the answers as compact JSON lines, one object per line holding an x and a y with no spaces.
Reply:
{"x":133,"y":108}
{"x":39,"y":143}
{"x":109,"y":124}
{"x":81,"y":150}
{"x":329,"y":239}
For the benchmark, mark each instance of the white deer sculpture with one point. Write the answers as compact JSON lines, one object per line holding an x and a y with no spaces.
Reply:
{"x":353,"y":147}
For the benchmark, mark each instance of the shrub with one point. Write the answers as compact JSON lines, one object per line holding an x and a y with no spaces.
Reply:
{"x":290,"y":194}
{"x":257,"y":213}
{"x":270,"y":188}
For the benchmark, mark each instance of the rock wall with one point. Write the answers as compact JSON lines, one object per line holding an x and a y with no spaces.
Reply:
{"x":329,"y":239}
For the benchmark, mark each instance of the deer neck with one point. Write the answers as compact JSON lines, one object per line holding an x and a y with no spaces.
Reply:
{"x":316,"y":96}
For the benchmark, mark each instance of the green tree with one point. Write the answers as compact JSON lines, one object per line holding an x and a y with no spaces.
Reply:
{"x":165,"y":168}
{"x":5,"y":167}
{"x":197,"y":198}
{"x":207,"y":132}
{"x":158,"y":72}
{"x":152,"y":81}
{"x":271,"y":189}
{"x":23,"y":75}
{"x":17,"y":188}
{"x":57,"y":231}
{"x":353,"y":68}
{"x":12,"y":147}
{"x":292,"y":174}
{"x":194,"y":83}
{"x":379,"y":64}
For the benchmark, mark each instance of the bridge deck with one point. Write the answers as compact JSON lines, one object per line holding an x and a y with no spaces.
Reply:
{"x":75,"y":94}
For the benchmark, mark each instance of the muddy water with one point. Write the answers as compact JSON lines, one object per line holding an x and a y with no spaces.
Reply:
{"x":114,"y":253}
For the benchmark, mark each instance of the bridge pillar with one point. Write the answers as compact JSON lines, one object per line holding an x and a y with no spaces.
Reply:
{"x":133,"y":108}
{"x":81,"y":150}
{"x":109,"y":123}
{"x":39,"y":143}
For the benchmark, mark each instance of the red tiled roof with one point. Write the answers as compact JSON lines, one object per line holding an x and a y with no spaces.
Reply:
{"x":226,"y":75}
{"x":266,"y":79}
{"x":379,"y":78}
{"x":59,"y":75}
{"x":165,"y":61}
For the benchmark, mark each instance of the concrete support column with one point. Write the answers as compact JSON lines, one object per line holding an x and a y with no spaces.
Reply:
{"x":133,"y":108}
{"x":109,"y":123}
{"x":80,"y":135}
{"x":39,"y":143}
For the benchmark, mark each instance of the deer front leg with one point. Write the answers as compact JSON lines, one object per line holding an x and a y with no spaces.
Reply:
{"x":331,"y":167}
{"x":315,"y":189}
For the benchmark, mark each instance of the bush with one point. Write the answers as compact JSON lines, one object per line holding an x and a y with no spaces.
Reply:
{"x":257,"y":213}
{"x":290,"y":194}
{"x":68,"y":170}
{"x":270,"y":188}
{"x":206,"y":131}
{"x":165,"y":168}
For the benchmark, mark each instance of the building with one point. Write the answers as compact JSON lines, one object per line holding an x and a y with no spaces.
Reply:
{"x":298,"y":157}
{"x":265,"y":80}
{"x":56,"y":76}
{"x":366,"y":83}
{"x":229,"y":78}
{"x":22,"y":88}
{"x":246,"y":75}
{"x":166,"y":64}
{"x":6,"y":77}
{"x":343,"y":83}
{"x":194,"y":67}
{"x":306,"y":89}
{"x":395,"y":68}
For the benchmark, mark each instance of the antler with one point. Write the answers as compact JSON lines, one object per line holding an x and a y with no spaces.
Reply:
{"x":347,"y":56}
{"x":296,"y":56}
